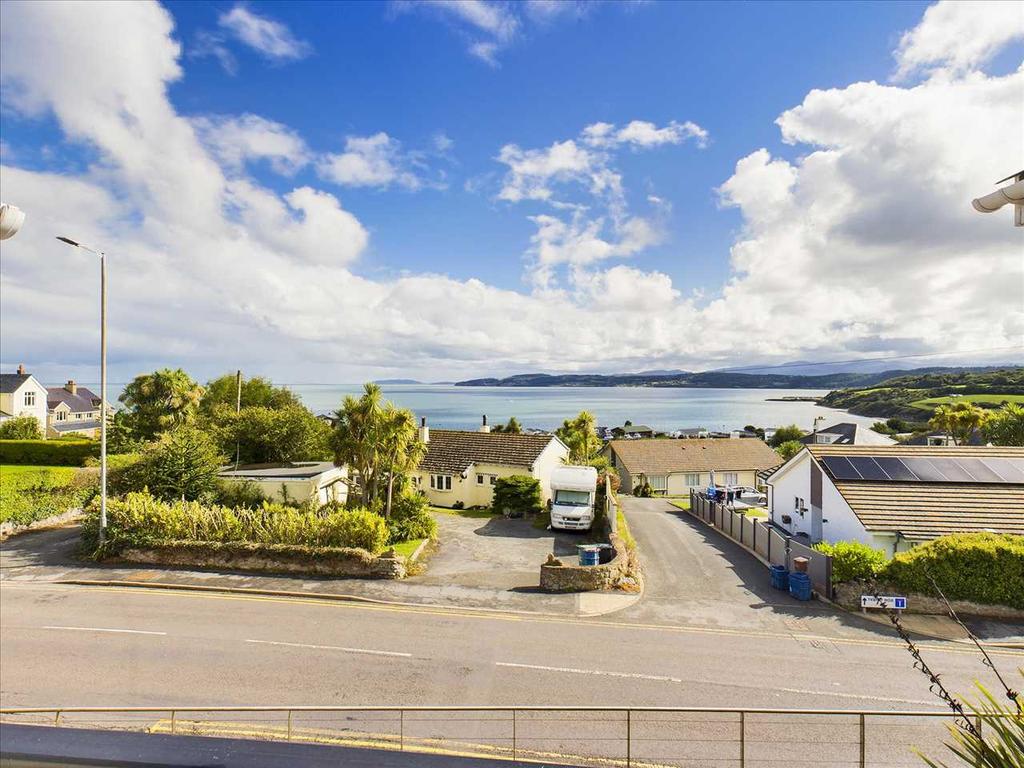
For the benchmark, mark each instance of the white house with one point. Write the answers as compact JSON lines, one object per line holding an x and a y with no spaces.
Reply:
{"x":72,"y":409}
{"x":846,"y":433}
{"x":21,"y":394}
{"x":298,"y":481}
{"x":463,"y":466}
{"x":892,"y":497}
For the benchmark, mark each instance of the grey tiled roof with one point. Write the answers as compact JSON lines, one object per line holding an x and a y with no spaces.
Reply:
{"x":74,"y":426}
{"x":297,"y":470}
{"x":84,"y":400}
{"x":452,"y":451}
{"x":9,"y":382}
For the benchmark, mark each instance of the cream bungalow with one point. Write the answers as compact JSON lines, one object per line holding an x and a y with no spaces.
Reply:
{"x":298,"y":481}
{"x":463,"y":466}
{"x":21,"y":394}
{"x":72,"y":409}
{"x":892,"y":497}
{"x":673,"y":467}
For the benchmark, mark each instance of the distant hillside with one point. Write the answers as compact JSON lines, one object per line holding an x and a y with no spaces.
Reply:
{"x":914,"y":397}
{"x":711,"y":379}
{"x":397,"y":381}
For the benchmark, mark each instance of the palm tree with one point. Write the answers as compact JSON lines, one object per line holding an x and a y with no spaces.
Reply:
{"x":355,"y":439}
{"x":958,"y":420}
{"x":580,"y":437}
{"x":400,"y":446}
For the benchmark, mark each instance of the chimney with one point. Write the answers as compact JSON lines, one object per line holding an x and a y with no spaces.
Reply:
{"x":424,"y":430}
{"x":71,"y":387}
{"x":21,"y":370}
{"x":483,"y":426}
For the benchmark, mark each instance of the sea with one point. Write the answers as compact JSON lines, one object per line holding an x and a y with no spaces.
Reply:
{"x":664,"y":409}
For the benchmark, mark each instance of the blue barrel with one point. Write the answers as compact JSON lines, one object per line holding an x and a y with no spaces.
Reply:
{"x":780,"y":577}
{"x":590,"y":554}
{"x":800,"y":585}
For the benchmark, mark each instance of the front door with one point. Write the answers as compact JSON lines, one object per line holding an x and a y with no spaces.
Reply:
{"x":815,"y":523}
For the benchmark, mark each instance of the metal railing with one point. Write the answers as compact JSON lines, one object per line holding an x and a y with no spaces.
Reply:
{"x":580,"y":735}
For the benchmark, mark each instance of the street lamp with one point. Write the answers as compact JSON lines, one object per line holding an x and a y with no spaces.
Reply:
{"x":103,"y":380}
{"x":11,"y":219}
{"x":1012,"y":194}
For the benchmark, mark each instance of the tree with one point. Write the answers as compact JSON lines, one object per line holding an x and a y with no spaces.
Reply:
{"x":377,"y":441}
{"x":261,"y":434}
{"x":785,"y":434}
{"x":121,"y":434}
{"x":958,"y":420}
{"x":1006,"y":426}
{"x":789,"y":449}
{"x":21,"y":428}
{"x":512,"y":427}
{"x":160,"y":400}
{"x":580,"y":437}
{"x":182,"y":464}
{"x":256,"y":391}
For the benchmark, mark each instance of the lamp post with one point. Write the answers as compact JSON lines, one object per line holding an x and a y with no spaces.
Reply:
{"x":103,"y":380}
{"x":11,"y":219}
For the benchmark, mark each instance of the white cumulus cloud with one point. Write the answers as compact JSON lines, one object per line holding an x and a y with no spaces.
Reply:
{"x":268,"y":37}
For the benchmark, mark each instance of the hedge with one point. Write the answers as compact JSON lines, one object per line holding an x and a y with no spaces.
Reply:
{"x":852,"y":560}
{"x":54,"y":453}
{"x":981,"y":567}
{"x":517,"y":495}
{"x":140,"y":520}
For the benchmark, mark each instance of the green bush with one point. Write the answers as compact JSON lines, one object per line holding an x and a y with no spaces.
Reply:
{"x":52,"y":453}
{"x":26,"y":497}
{"x":852,"y":560}
{"x":238,"y":493}
{"x":410,"y":519}
{"x":643,"y":490}
{"x":517,"y":495}
{"x":182,"y":464}
{"x":982,"y":567}
{"x":21,"y":428}
{"x":140,"y":519}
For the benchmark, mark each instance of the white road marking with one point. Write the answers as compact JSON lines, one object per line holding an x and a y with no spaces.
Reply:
{"x":661,"y":678}
{"x":333,"y":648}
{"x":856,"y":696}
{"x":109,"y":629}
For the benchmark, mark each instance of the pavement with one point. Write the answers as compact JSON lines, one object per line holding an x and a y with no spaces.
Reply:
{"x":480,"y":563}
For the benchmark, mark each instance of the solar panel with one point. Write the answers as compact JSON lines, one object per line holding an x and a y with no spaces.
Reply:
{"x":953,"y":471}
{"x":981,"y":471}
{"x":868,"y":468}
{"x":840,"y":468}
{"x":924,"y":469}
{"x":1011,"y":470}
{"x":895,"y":468}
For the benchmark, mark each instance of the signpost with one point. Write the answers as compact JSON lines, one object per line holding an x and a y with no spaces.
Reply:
{"x":886,"y":601}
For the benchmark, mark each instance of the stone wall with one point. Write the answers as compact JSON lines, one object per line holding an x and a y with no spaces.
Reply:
{"x":9,"y":528}
{"x":277,"y":558}
{"x":848,"y":595}
{"x":615,"y":574}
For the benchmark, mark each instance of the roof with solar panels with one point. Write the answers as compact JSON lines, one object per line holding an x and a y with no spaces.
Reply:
{"x":928,"y":491}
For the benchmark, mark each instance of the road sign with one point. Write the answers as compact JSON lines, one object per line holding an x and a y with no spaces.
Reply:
{"x":886,"y":601}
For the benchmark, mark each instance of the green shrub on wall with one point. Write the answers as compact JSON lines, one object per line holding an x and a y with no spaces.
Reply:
{"x":852,"y":560}
{"x":139,"y":519}
{"x":411,"y":519}
{"x":518,"y":495}
{"x":21,"y":428}
{"x":58,"y":453}
{"x":982,"y":567}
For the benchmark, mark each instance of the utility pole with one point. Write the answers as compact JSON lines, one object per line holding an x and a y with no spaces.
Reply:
{"x":238,"y":409}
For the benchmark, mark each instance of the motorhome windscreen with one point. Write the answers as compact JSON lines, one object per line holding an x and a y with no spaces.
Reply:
{"x":572,"y":498}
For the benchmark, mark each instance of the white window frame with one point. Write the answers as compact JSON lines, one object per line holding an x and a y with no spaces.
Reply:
{"x":441,"y":482}
{"x":658,"y":482}
{"x":494,"y":479}
{"x":730,"y":478}
{"x":30,"y":398}
{"x":692,"y":479}
{"x":60,"y":415}
{"x":479,"y":479}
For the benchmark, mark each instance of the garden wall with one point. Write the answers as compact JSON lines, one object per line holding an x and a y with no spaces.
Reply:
{"x":270,"y":558}
{"x":848,"y":595}
{"x":556,"y":577}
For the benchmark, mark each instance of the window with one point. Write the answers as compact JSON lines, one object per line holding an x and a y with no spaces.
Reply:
{"x":730,"y":478}
{"x":572,"y":498}
{"x":30,"y":398}
{"x":692,"y":479}
{"x":441,"y":482}
{"x":798,"y":504}
{"x":60,"y":415}
{"x":479,"y":479}
{"x":658,"y":482}
{"x":494,"y":479}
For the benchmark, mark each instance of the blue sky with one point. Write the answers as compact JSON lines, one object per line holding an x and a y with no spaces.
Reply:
{"x":735,"y":208}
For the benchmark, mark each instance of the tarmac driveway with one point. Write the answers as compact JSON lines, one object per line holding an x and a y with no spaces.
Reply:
{"x":493,"y":552}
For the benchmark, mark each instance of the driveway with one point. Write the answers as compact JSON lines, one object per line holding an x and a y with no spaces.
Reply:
{"x":694,"y":575}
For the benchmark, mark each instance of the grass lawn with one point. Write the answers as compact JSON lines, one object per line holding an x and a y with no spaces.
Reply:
{"x":30,"y":492}
{"x":684,"y":505}
{"x":931,"y":403}
{"x":474,"y":513}
{"x":406,"y":548}
{"x":20,"y":475}
{"x":756,"y":514}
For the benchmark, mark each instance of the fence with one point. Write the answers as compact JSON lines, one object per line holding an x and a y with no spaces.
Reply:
{"x":645,"y":737}
{"x":764,"y":540}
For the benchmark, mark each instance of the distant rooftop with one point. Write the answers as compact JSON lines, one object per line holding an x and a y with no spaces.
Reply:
{"x":299,"y":470}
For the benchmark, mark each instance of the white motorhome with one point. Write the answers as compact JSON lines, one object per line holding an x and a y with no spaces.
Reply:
{"x":573,"y":490}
